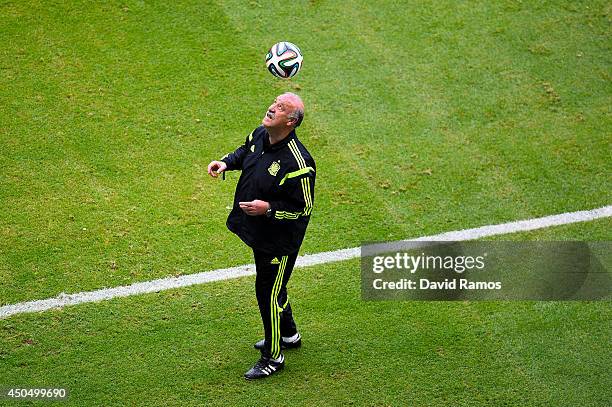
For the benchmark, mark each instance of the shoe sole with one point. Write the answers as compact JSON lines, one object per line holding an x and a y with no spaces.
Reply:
{"x":263,"y":377}
{"x":284,"y":346}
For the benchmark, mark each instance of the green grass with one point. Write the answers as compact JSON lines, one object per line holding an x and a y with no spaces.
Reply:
{"x":435,"y":117}
{"x":423,"y":117}
{"x":191,"y":346}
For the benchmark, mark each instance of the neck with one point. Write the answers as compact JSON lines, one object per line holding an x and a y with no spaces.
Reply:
{"x":277,"y":135}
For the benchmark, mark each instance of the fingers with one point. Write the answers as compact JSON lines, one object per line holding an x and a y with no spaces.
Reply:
{"x":254,"y":208}
{"x":215,"y":168}
{"x":246,"y":206}
{"x":249,"y":208}
{"x":212,"y":169}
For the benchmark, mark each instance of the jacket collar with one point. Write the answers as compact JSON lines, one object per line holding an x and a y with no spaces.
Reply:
{"x":280,"y":144}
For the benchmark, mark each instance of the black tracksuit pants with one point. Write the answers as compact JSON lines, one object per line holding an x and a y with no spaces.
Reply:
{"x":273,"y":273}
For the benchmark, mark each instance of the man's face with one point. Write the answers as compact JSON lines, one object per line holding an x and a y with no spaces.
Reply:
{"x":278,"y":113}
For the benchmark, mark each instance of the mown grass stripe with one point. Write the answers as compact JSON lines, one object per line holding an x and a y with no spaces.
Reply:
{"x":302,"y":261}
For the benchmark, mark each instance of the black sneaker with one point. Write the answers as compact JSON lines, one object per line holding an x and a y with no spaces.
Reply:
{"x":284,"y":345}
{"x":264,"y":367}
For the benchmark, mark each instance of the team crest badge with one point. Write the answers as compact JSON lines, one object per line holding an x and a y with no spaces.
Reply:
{"x":274,"y":167}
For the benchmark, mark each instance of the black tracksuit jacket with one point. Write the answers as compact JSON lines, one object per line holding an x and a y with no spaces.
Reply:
{"x":282,"y":174}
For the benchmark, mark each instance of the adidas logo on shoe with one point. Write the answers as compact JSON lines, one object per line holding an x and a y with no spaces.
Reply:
{"x":265,"y":367}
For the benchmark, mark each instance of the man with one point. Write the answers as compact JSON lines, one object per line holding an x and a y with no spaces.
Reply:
{"x":271,"y":210}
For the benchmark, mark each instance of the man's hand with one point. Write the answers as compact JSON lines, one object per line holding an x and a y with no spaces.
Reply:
{"x":254,"y":208}
{"x":216,"y":167}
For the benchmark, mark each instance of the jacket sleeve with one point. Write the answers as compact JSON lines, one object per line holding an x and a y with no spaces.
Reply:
{"x":234,"y":160}
{"x":298,"y":188}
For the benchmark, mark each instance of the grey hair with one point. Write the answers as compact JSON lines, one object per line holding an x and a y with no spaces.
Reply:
{"x":297,"y":114}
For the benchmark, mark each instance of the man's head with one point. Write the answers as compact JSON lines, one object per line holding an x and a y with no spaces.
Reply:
{"x":286,"y":113}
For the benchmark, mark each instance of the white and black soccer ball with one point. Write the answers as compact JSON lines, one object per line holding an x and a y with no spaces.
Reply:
{"x":284,"y":60}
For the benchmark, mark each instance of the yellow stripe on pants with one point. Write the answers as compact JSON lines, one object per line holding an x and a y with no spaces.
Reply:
{"x":275,"y":309}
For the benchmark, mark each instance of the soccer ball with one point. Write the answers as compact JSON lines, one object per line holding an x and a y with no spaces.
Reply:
{"x":284,"y":60}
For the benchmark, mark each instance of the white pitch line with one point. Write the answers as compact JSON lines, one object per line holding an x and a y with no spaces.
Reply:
{"x":302,"y":261}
